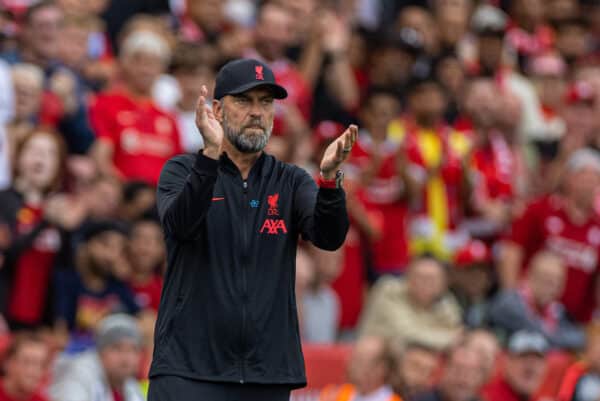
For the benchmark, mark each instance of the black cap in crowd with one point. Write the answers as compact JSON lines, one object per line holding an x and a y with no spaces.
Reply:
{"x":242,"y":75}
{"x":92,"y":229}
{"x":420,"y":78}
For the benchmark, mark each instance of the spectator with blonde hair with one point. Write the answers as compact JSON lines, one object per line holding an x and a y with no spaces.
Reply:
{"x":135,"y":137}
{"x":6,"y":114}
{"x":28,"y":84}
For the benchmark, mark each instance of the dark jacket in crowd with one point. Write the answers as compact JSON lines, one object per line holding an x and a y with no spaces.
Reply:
{"x":228,"y":308}
{"x":509,"y":313}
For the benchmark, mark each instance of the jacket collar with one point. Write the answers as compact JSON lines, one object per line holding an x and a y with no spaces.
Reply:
{"x":261,"y":167}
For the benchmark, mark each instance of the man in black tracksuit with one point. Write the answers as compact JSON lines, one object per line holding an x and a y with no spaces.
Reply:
{"x":227,"y":325}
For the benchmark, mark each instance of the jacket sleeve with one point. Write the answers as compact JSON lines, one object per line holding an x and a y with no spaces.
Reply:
{"x":320,"y":213}
{"x":508,"y":312}
{"x":184,"y":195}
{"x":568,"y":335}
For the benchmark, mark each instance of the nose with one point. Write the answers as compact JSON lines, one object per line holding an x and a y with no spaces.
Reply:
{"x":256,"y":109}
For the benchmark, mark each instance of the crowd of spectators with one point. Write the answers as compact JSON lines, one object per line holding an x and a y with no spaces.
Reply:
{"x":473,"y":189}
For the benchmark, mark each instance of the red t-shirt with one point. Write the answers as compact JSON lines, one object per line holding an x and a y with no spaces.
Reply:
{"x":6,"y":397}
{"x":499,"y":390}
{"x":147,"y":295}
{"x":382,"y":200}
{"x":349,"y":285}
{"x":33,"y":269}
{"x":143,"y":136}
{"x":299,"y":93}
{"x":545,"y":225}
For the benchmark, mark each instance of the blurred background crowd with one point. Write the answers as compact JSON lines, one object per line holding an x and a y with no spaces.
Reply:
{"x":473,"y":255}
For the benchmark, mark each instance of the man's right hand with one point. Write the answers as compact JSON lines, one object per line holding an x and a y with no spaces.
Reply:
{"x":209,"y":127}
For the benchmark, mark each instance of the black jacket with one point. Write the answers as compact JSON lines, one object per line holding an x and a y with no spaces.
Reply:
{"x":228,"y":308}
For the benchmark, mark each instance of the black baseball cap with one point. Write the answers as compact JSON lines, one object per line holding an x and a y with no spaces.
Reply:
{"x":92,"y":229}
{"x":241,"y":75}
{"x":420,"y":77}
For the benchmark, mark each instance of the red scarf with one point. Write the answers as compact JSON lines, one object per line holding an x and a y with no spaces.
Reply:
{"x":548,"y":314}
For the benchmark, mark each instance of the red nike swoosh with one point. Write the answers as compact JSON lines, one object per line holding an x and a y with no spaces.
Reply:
{"x":217,"y":199}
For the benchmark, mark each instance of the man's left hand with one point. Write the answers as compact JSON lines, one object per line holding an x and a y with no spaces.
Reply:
{"x":337,"y":152}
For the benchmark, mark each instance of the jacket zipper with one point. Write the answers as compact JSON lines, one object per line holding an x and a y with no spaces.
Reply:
{"x":244,"y":283}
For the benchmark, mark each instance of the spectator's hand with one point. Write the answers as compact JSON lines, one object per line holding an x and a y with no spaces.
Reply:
{"x":315,"y":31}
{"x":64,"y":211}
{"x":209,"y":127}
{"x":336,"y":36}
{"x":83,"y":170}
{"x":337,"y":152}
{"x":63,"y":85}
{"x":101,"y":72}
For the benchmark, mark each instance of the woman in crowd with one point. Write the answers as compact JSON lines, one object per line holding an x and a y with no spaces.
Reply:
{"x":31,"y":213}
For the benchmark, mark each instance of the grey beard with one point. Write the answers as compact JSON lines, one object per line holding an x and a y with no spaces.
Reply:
{"x":246,"y":143}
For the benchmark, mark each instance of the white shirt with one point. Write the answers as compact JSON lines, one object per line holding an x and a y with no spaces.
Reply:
{"x":167,"y":93}
{"x":321,"y":310}
{"x":191,"y":140}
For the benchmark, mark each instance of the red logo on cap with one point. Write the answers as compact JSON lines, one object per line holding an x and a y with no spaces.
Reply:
{"x":259,"y":72}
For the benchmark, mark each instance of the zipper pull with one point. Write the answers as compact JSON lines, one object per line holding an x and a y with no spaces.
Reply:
{"x":245,"y":186}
